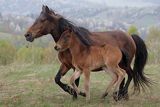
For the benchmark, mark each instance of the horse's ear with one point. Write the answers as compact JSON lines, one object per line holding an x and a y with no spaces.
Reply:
{"x":45,"y":9}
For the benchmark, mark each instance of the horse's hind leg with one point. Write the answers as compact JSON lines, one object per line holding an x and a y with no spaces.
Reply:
{"x":111,"y":84}
{"x":75,"y":75}
{"x":121,"y":74}
{"x":125,"y":90}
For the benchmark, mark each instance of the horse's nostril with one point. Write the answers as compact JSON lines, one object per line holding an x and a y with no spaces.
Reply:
{"x":27,"y":34}
{"x":29,"y":37}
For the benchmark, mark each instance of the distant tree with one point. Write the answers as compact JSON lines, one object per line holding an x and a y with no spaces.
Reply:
{"x":133,"y":30}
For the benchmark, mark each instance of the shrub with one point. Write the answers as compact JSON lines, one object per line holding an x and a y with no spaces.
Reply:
{"x":48,"y":54}
{"x":7,"y":52}
{"x":30,"y":55}
{"x":132,"y":30}
{"x":153,"y":44}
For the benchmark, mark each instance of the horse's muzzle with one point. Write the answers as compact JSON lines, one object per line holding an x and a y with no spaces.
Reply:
{"x":29,"y":37}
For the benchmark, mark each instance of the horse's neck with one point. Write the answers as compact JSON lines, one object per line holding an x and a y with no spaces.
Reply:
{"x":55,"y":36}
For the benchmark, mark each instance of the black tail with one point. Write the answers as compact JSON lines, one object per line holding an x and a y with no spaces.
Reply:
{"x":139,"y":78}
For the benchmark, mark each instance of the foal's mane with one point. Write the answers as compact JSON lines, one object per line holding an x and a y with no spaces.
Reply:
{"x":81,"y":33}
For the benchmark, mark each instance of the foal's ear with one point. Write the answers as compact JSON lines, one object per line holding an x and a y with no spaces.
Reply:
{"x":45,"y":9}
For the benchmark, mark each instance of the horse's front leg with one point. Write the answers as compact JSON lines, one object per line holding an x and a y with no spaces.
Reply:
{"x":62,"y":71}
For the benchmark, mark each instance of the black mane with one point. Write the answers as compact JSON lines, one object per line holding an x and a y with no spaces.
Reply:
{"x":82,"y":33}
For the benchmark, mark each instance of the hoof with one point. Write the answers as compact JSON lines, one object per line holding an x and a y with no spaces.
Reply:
{"x":120,"y":96}
{"x":123,"y":95}
{"x":104,"y":95}
{"x":115,"y":96}
{"x":126,"y":96}
{"x":75,"y":95}
{"x":82,"y":94}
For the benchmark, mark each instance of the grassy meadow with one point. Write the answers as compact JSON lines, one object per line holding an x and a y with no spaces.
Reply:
{"x":32,"y":85}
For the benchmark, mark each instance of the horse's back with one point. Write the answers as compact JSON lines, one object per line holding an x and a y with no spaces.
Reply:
{"x":113,"y":37}
{"x":116,"y":38}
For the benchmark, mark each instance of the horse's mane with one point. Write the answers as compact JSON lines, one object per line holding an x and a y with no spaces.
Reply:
{"x":81,"y":33}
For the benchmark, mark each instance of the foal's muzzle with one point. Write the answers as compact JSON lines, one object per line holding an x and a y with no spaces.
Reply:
{"x":57,"y":48}
{"x":29,"y":37}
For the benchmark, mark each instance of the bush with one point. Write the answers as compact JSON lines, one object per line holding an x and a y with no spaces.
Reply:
{"x":7,"y":52}
{"x":48,"y":54}
{"x":30,"y":55}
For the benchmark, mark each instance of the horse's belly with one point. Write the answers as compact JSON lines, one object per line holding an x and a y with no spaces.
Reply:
{"x":96,"y":60}
{"x":96,"y":65}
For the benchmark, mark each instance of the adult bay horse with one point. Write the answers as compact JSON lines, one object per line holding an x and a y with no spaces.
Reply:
{"x":50,"y":23}
{"x":86,"y":58}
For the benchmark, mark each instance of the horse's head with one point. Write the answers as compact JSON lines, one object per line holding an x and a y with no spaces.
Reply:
{"x":64,"y":42}
{"x":43,"y":25}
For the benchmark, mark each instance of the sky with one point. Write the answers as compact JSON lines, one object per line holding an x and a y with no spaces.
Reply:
{"x":32,"y":6}
{"x":130,"y":3}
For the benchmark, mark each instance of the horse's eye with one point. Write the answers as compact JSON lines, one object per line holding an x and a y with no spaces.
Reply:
{"x":66,"y":38}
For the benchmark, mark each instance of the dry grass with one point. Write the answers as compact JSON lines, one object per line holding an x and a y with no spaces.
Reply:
{"x":34,"y":86}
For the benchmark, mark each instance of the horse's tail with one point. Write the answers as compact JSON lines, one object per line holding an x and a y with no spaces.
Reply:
{"x":139,"y":78}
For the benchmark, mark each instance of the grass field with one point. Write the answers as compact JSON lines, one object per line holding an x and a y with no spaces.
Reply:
{"x":34,"y":86}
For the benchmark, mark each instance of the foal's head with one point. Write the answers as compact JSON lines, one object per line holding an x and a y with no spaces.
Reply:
{"x":43,"y":25}
{"x":64,"y":42}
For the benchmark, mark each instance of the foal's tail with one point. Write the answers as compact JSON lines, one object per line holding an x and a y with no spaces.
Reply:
{"x":139,"y":78}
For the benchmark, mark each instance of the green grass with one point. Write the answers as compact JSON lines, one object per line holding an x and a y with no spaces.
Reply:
{"x":34,"y":86}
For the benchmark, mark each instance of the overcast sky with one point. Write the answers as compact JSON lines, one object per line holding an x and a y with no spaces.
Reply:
{"x":133,"y":3}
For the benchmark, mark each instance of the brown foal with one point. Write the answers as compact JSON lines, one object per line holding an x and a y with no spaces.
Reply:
{"x":86,"y":59}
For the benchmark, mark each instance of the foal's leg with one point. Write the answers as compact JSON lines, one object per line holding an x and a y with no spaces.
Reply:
{"x":111,"y":84}
{"x":75,"y":75}
{"x":121,"y":74}
{"x":122,"y":85}
{"x":87,"y":84}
